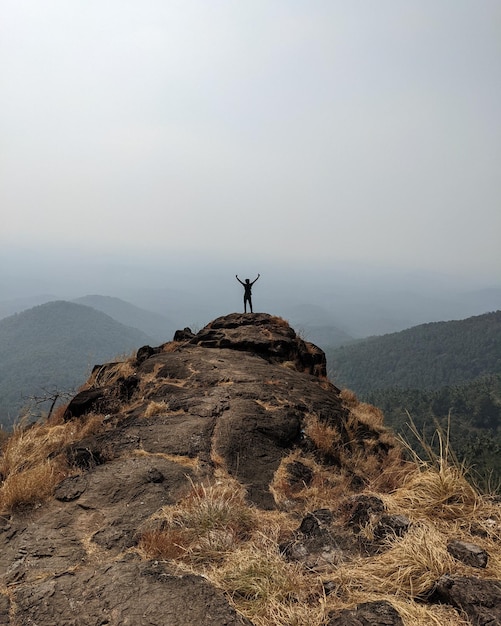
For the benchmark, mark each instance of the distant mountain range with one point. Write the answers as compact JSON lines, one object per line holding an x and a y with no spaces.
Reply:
{"x":159,"y":327}
{"x":427,"y":356}
{"x":54,"y":346}
{"x":329,"y":308}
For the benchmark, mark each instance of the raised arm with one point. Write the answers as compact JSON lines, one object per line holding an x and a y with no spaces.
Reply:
{"x":242,"y":283}
{"x":256,"y":279}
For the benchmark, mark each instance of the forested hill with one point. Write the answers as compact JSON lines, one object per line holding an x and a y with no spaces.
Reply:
{"x":428,"y":356}
{"x":53,"y":346}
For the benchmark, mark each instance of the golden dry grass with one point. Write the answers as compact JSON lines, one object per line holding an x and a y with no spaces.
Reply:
{"x":269,"y":590}
{"x":409,"y":567}
{"x":109,"y":373}
{"x":325,"y":487}
{"x":171,"y":346}
{"x":377,"y":460}
{"x":204,"y":526}
{"x":325,"y":437}
{"x":439,"y":493}
{"x":185,"y":461}
{"x":155,"y":408}
{"x":279,"y":321}
{"x":32,"y":462}
{"x":361,"y":411}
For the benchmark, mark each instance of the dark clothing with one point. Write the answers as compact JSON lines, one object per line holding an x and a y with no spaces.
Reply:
{"x":248,"y":292}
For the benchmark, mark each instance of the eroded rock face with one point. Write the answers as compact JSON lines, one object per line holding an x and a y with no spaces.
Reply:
{"x":125,"y":592}
{"x":265,"y":335}
{"x":238,"y":394}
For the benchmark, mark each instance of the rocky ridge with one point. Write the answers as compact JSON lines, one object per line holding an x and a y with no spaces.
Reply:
{"x":243,"y":405}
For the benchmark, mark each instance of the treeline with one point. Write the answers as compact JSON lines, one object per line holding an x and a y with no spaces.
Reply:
{"x":428,"y":356}
{"x":444,"y":375}
{"x":470,"y":415}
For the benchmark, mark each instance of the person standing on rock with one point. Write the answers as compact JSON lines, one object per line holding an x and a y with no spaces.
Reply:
{"x":248,"y":291}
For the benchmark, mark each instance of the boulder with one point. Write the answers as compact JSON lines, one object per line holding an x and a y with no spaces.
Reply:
{"x":468,"y":553}
{"x":319,"y":544}
{"x":84,"y":402}
{"x":391,"y":525}
{"x":362,"y":509}
{"x":184,"y":335}
{"x":480,"y":599}
{"x":367,"y":614}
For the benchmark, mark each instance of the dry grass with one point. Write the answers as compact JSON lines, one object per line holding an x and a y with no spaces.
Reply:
{"x":106,"y":375}
{"x":412,"y":613}
{"x":155,"y":408}
{"x":32,"y":462}
{"x":279,"y":321}
{"x":325,"y":487}
{"x":325,"y":437}
{"x":439,"y":493}
{"x":204,"y":526}
{"x":269,"y":590}
{"x":185,"y":461}
{"x":412,"y":564}
{"x":376,"y":460}
{"x":32,"y":485}
{"x":361,"y":411}
{"x":171,"y":346}
{"x":434,"y":494}
{"x":439,"y":487}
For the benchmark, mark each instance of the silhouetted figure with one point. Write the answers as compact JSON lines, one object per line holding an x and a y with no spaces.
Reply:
{"x":248,"y":291}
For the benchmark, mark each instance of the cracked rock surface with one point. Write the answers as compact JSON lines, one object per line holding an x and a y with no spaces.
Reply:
{"x":237,"y":394}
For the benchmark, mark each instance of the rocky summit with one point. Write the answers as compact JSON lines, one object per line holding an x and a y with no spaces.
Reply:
{"x":179,"y":480}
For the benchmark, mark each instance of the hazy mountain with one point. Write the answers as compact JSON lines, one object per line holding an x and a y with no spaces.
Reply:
{"x":428,"y":356}
{"x":159,"y":327}
{"x":54,"y":346}
{"x":358,"y":299}
{"x":16,"y":305}
{"x":315,"y":323}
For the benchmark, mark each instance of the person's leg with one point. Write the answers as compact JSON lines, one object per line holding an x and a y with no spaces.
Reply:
{"x":245,"y":304}
{"x":250,"y":304}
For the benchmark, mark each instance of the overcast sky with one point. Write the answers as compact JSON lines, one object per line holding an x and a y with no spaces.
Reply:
{"x":319,"y":131}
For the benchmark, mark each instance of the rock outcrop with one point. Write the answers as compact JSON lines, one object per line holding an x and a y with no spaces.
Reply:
{"x":245,"y":398}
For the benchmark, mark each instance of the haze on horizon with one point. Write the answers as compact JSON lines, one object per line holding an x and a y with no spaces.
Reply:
{"x":250,"y":136}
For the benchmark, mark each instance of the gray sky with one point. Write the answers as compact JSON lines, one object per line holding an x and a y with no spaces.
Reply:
{"x":311,"y":130}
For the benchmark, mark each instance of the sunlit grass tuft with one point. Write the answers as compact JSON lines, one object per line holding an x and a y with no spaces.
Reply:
{"x":269,"y":590}
{"x":32,"y":462}
{"x":204,"y":526}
